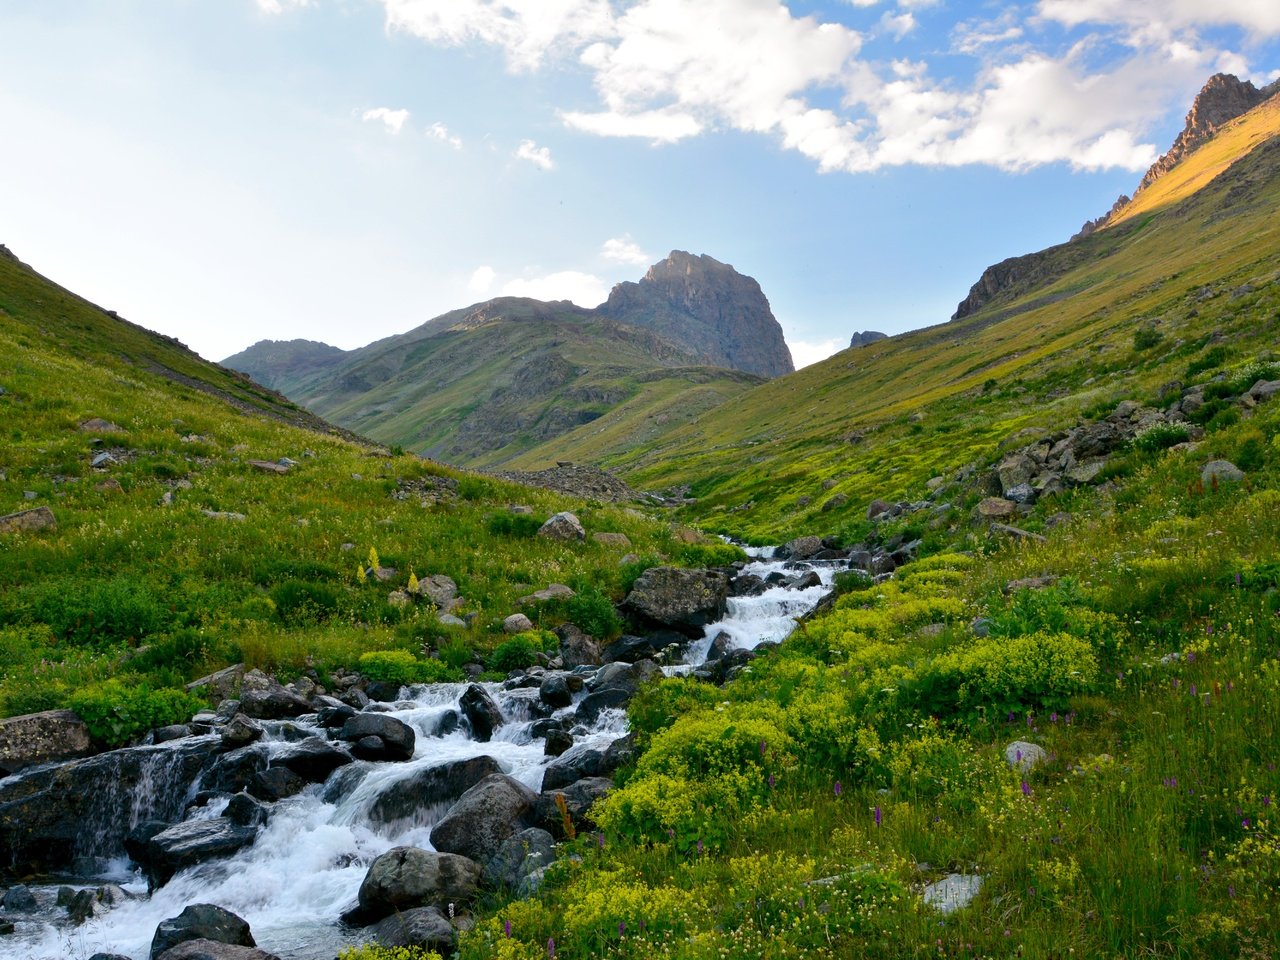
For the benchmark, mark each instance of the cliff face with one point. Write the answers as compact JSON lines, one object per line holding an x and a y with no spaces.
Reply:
{"x":707,"y":305}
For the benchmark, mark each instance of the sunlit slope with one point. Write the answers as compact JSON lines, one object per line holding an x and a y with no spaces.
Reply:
{"x":878,"y":421}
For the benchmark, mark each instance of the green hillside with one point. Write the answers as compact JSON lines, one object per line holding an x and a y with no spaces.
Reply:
{"x":1200,"y":274}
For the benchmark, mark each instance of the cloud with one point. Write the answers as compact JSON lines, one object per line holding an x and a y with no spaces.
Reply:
{"x":440,"y":132}
{"x":482,"y":279}
{"x":394,"y":120}
{"x":972,"y":37}
{"x":624,"y":250}
{"x":280,"y":6}
{"x":806,"y":352}
{"x":584,"y":289}
{"x":660,"y":126}
{"x":1153,"y":18}
{"x":538,"y":156}
{"x":899,"y":25}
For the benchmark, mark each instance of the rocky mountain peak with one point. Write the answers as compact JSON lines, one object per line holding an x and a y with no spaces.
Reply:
{"x":864,"y":337}
{"x":708,"y":306}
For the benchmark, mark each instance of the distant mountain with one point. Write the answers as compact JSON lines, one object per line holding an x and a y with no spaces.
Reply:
{"x":865,"y":337}
{"x":708,"y":305}
{"x":504,"y":379}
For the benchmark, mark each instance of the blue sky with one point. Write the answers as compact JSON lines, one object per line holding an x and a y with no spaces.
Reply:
{"x":341,"y":170}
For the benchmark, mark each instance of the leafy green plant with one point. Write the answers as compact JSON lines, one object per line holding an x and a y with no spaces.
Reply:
{"x":402,"y":667}
{"x":1159,"y":437}
{"x":521,"y":651}
{"x":116,"y":712}
{"x":518,"y":525}
{"x":120,"y":610}
{"x":1144,"y":338}
{"x":589,"y":610}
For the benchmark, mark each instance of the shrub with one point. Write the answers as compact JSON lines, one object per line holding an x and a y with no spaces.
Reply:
{"x":709,"y":554}
{"x":1208,"y":361}
{"x":1251,"y":454}
{"x":302,"y":602}
{"x":658,"y":705}
{"x":1160,"y":436}
{"x":113,"y":611}
{"x":116,"y":712}
{"x":188,"y":650}
{"x":521,"y":651}
{"x":1144,"y":338}
{"x":1227,"y":417}
{"x":853,"y":581}
{"x":520,"y":525}
{"x":590,"y":610}
{"x":402,"y":667}
{"x":374,"y":951}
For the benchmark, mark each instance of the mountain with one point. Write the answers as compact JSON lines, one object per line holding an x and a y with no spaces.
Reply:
{"x":505,"y":380}
{"x":865,"y":337}
{"x":1040,"y":341}
{"x":709,"y":306}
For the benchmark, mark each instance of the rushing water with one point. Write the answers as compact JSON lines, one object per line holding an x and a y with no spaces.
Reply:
{"x":306,"y":865}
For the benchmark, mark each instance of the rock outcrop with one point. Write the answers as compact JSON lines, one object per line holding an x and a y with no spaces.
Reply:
{"x":864,"y":337}
{"x":707,"y":305}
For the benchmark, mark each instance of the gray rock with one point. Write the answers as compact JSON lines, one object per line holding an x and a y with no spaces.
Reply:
{"x":554,"y":591}
{"x":85,"y":905}
{"x":878,"y":508}
{"x":1022,"y":493}
{"x":562,"y":526}
{"x":276,"y":783}
{"x":1014,"y":471}
{"x":240,"y":732}
{"x":41,"y":737}
{"x":420,"y":927}
{"x":519,"y":856}
{"x":201,"y":921}
{"x":483,"y":817}
{"x":676,"y":599}
{"x":1024,"y":756}
{"x":801,"y":548}
{"x":213,"y":950}
{"x":397,"y":737}
{"x":953,"y":892}
{"x":274,"y":703}
{"x":517,"y":623}
{"x":996,"y":507}
{"x":20,"y":899}
{"x":404,"y":878}
{"x":1086,"y":471}
{"x":439,"y":589}
{"x":434,"y":786}
{"x":245,"y":811}
{"x":554,"y":692}
{"x":1264,"y":389}
{"x":194,"y":841}
{"x":314,"y":758}
{"x":577,"y":649}
{"x":28,"y":521}
{"x":578,"y":798}
{"x":1224,"y":471}
{"x":482,"y":713}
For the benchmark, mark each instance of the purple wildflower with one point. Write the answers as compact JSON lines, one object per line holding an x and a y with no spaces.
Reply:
{"x":764,"y":748}
{"x":838,"y":788}
{"x":506,"y":929}
{"x":1191,"y":654}
{"x":600,"y":838}
{"x":772,"y":781}
{"x":699,"y":846}
{"x":551,"y":947}
{"x":1026,"y":789}
{"x":878,"y":815}
{"x":622,"y":927}
{"x":1193,"y":689}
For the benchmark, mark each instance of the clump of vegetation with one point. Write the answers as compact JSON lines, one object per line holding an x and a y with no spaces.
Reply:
{"x":402,"y":667}
{"x":117,"y":712}
{"x":521,"y":651}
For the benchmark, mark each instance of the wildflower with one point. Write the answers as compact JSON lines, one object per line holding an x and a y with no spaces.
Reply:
{"x":699,"y":846}
{"x":506,"y":929}
{"x":1191,"y":654}
{"x":772,"y":781}
{"x":764,"y":748}
{"x":1026,"y":789}
{"x":878,"y":815}
{"x":600,"y":839}
{"x":1011,"y":716}
{"x":1053,"y":717}
{"x":1245,"y":823}
{"x":622,"y":927}
{"x":1266,"y":801}
{"x":838,"y":788}
{"x":1193,"y":689}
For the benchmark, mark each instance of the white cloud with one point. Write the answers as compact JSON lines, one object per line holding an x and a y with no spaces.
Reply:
{"x":440,"y":132}
{"x":660,"y":126}
{"x":280,"y":6}
{"x":806,"y":352}
{"x":584,"y":289}
{"x":1147,"y":18}
{"x":973,"y":36}
{"x":624,"y":250}
{"x":393,"y":120}
{"x":899,"y":25}
{"x":538,"y":156}
{"x":482,"y":279}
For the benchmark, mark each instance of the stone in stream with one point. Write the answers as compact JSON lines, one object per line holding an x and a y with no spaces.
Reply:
{"x":193,"y":841}
{"x":314,"y":758}
{"x":440,"y":784}
{"x":577,"y":797}
{"x":201,"y":921}
{"x":483,"y":817}
{"x":397,"y":737}
{"x":520,"y":856}
{"x":557,"y":742}
{"x":240,"y":732}
{"x":274,"y":703}
{"x":577,"y":649}
{"x":20,"y":899}
{"x":84,"y":906}
{"x":276,"y":783}
{"x":213,"y":950}
{"x":41,"y":737}
{"x":244,"y":810}
{"x":574,"y":767}
{"x":407,"y":877}
{"x":483,"y":715}
{"x":420,"y":927}
{"x":554,"y":691}
{"x":677,"y":599}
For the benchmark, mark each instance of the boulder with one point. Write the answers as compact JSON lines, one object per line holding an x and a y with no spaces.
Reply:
{"x":593,"y":704}
{"x":619,"y":540}
{"x":1264,"y":389}
{"x":676,"y":599}
{"x":996,"y":507}
{"x":482,"y":713}
{"x":1022,"y":493}
{"x":28,"y":521}
{"x":240,"y":732}
{"x":420,"y":927}
{"x":234,"y":771}
{"x":40,"y":737}
{"x":577,"y":797}
{"x":1024,"y":756}
{"x":805,"y":581}
{"x":439,"y":589}
{"x":213,"y":950}
{"x":404,"y":878}
{"x":276,"y":783}
{"x":554,"y":692}
{"x":557,"y":742}
{"x":441,"y":784}
{"x":201,"y":921}
{"x":273,"y":703}
{"x":554,"y":591}
{"x":747,"y":585}
{"x":801,"y":548}
{"x":571,"y":768}
{"x":191,"y":842}
{"x":517,"y":623}
{"x":577,"y":649}
{"x":85,"y":906}
{"x":243,"y":810}
{"x":1085,"y":471}
{"x":953,"y":892}
{"x":20,"y":899}
{"x":521,"y":855}
{"x":483,"y":817}
{"x":1015,"y":470}
{"x":1223,"y":471}
{"x":396,"y":736}
{"x":221,"y":685}
{"x":562,"y":526}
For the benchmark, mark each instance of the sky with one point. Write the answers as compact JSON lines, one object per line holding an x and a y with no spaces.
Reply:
{"x":342,"y":170}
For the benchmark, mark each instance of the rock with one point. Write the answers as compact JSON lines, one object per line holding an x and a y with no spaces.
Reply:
{"x":397,"y":737}
{"x":267,"y":466}
{"x":275,"y":784}
{"x":333,"y":717}
{"x":554,"y":591}
{"x":562,"y":526}
{"x":1221,"y":471}
{"x":569,"y":769}
{"x":801,"y":548}
{"x":439,"y":589}
{"x":28,"y":521}
{"x":1030,"y":583}
{"x":1086,"y":471}
{"x":483,"y":817}
{"x":420,"y":927}
{"x":866,"y":337}
{"x":619,"y":540}
{"x":683,"y":600}
{"x":274,"y":703}
{"x":1022,"y":493}
{"x":240,"y":732}
{"x":432,"y":787}
{"x":1024,"y":756}
{"x":631,"y":649}
{"x":554,"y":692}
{"x":805,"y":581}
{"x":98,"y":425}
{"x":224,"y":515}
{"x":837,"y":501}
{"x":245,"y":811}
{"x":517,"y":623}
{"x":41,"y":737}
{"x":1264,"y":389}
{"x":593,"y":704}
{"x":577,"y":649}
{"x":482,"y":713}
{"x":953,"y":892}
{"x":194,"y":841}
{"x":175,"y":731}
{"x":315,"y":758}
{"x":527,"y":852}
{"x":1015,"y":470}
{"x":84,"y":906}
{"x":201,"y":921}
{"x":993,"y":507}
{"x":877,"y":508}
{"x":20,"y":899}
{"x":213,"y":950}
{"x":747,"y":585}
{"x":557,"y":742}
{"x":1016,"y":532}
{"x":577,"y":797}
{"x":404,"y":878}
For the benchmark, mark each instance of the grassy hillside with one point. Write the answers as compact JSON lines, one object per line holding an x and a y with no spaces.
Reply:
{"x":1198,"y":275}
{"x":177,"y":554}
